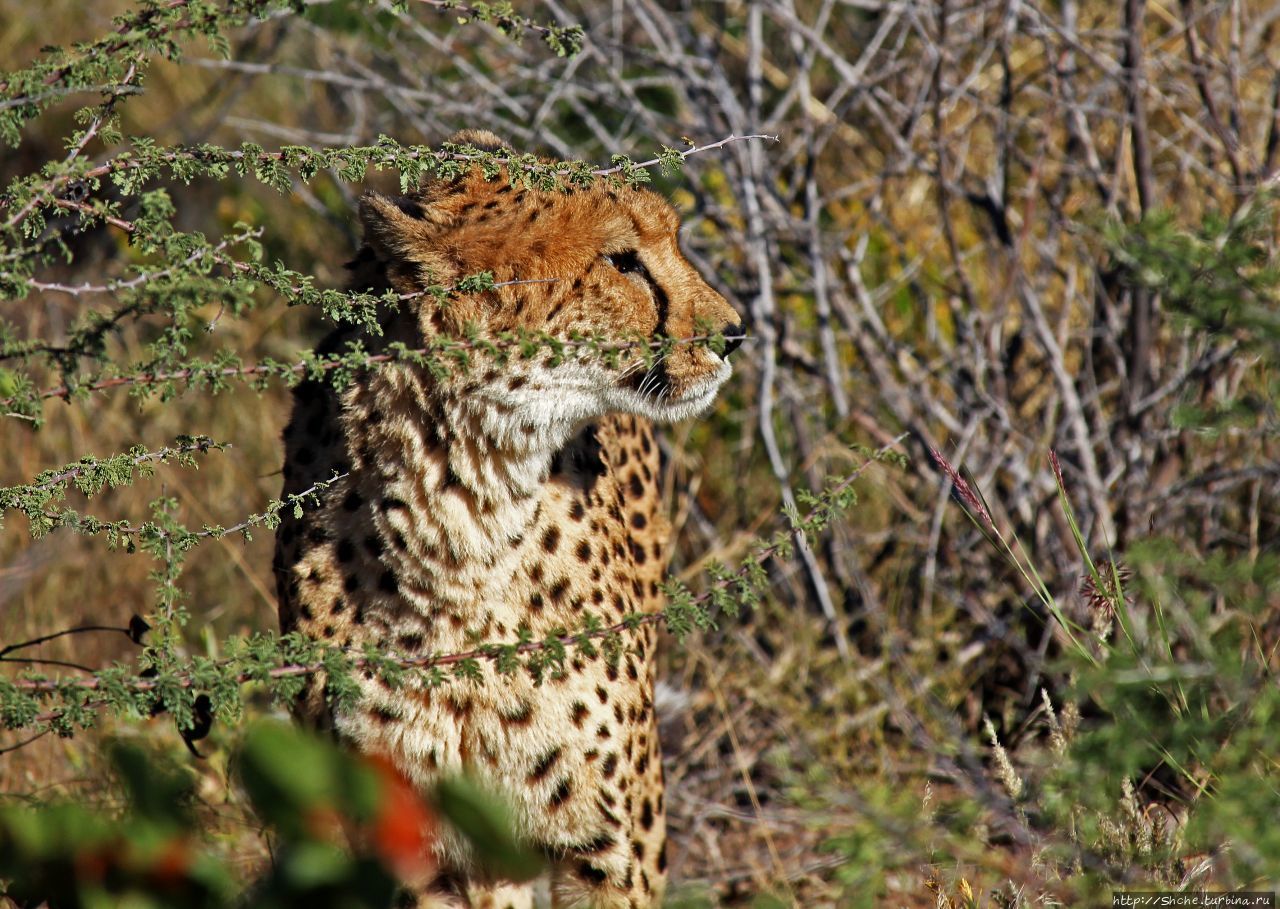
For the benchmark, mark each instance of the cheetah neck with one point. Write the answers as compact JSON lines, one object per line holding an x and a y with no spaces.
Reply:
{"x":463,"y":482}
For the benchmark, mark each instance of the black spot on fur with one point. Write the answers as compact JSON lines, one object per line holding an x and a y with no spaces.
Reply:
{"x":543,"y":767}
{"x":458,"y":707}
{"x":601,"y":843}
{"x":409,"y":643}
{"x":520,"y":716}
{"x":563,"y":791}
{"x":608,"y":815}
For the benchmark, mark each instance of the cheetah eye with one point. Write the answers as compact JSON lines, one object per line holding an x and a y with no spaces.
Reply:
{"x":626,"y":262}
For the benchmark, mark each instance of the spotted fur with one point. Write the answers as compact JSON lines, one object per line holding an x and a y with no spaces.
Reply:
{"x":507,"y":499}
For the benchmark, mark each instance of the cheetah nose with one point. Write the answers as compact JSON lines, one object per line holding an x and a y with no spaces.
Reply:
{"x":733,"y":338}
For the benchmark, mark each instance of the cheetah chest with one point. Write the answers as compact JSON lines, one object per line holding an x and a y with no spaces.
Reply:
{"x":568,"y":750}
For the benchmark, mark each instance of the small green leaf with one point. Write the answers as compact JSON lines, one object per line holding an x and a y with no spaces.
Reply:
{"x":486,"y":824}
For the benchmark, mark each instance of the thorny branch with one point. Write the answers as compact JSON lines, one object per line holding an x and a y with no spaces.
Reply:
{"x":695,"y":605}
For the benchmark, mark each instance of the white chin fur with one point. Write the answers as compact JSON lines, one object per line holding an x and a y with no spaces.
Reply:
{"x":693,"y":403}
{"x":579,"y":394}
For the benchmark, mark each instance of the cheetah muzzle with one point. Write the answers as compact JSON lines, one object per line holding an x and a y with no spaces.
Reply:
{"x":507,"y":499}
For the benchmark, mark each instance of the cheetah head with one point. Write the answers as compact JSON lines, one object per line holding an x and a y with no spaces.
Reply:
{"x":602,"y":260}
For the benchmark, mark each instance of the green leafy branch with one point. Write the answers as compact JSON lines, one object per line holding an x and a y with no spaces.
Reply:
{"x":564,"y":41}
{"x":91,"y":476}
{"x":177,"y":289}
{"x":189,"y":280}
{"x":130,"y":171}
{"x":158,"y":28}
{"x":283,"y":664}
{"x":444,"y":355}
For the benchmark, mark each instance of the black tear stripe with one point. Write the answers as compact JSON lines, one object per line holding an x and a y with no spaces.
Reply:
{"x":628,"y":262}
{"x":661,"y":300}
{"x":656,"y":375}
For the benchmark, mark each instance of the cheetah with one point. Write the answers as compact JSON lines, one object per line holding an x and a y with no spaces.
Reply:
{"x":502,"y":502}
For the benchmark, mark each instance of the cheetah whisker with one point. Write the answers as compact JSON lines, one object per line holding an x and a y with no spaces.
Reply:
{"x":653,"y":377}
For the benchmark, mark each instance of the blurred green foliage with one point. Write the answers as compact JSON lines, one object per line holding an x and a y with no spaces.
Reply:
{"x":346,"y":831}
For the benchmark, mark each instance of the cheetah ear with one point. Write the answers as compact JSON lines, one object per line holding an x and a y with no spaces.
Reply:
{"x":480,"y":138}
{"x":392,"y":226}
{"x":401,"y":232}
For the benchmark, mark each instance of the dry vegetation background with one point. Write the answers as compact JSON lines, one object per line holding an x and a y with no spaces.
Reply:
{"x":924,"y":251}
